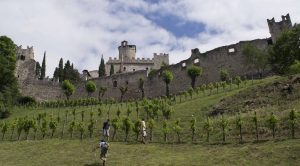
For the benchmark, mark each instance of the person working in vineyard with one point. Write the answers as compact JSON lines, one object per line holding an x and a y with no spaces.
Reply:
{"x":144,"y":133}
{"x":106,"y":127}
{"x":103,"y":146}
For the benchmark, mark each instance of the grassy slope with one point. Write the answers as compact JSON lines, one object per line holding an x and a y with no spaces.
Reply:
{"x":74,"y":152}
{"x":58,"y":152}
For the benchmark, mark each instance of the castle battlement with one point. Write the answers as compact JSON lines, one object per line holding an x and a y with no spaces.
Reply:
{"x":276,"y":28}
{"x":24,"y":54}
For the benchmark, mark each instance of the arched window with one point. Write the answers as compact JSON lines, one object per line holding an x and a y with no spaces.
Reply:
{"x":115,"y":84}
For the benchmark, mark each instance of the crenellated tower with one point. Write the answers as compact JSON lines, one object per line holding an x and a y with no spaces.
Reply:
{"x":276,"y":28}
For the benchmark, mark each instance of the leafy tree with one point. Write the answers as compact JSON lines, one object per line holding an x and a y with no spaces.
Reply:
{"x":286,"y":50}
{"x":38,"y":70}
{"x":194,"y":72}
{"x":68,"y":88}
{"x":102,"y":91}
{"x":69,"y":73}
{"x":177,"y":129}
{"x":151,"y":124}
{"x":237,"y":81}
{"x":91,"y":127}
{"x":292,"y":120}
{"x":210,"y":86}
{"x":52,"y":126}
{"x":19,"y":127}
{"x":141,"y":86}
{"x":101,"y":70}
{"x":116,"y":124}
{"x":8,"y":83}
{"x":112,"y":70}
{"x":223,"y":85}
{"x":208,"y":128}
{"x":43,"y":127}
{"x":224,"y":126}
{"x":294,"y":68}
{"x":127,"y":126}
{"x":239,"y":124}
{"x":255,"y":57}
{"x":272,"y":121}
{"x":4,"y":127}
{"x":137,"y":128}
{"x":90,"y":87}
{"x":165,"y":130}
{"x":12,"y":127}
{"x":193,"y":128}
{"x":123,"y":90}
{"x":167,"y":78}
{"x":81,"y":129}
{"x":224,"y":75}
{"x":217,"y":86}
{"x":71,"y":128}
{"x":56,"y":74}
{"x":43,"y":69}
{"x":191,"y":91}
{"x":34,"y":128}
{"x":166,"y":111}
{"x":27,"y":125}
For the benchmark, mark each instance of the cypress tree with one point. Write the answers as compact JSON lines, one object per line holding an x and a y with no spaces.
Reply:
{"x":61,"y":70}
{"x":37,"y":70}
{"x":43,"y":70}
{"x":101,"y":70}
{"x":112,"y":69}
{"x":56,"y":74}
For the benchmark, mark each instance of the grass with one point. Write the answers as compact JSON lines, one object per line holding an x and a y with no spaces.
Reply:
{"x":68,"y":151}
{"x":74,"y":152}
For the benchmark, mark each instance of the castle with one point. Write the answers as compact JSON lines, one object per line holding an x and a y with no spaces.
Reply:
{"x":128,"y":62}
{"x":129,"y":69}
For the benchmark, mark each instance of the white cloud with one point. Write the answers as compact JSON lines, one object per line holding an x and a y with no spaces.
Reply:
{"x":82,"y":30}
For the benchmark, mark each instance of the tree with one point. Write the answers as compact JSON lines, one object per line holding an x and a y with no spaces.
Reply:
{"x":81,"y":129}
{"x":60,"y":72}
{"x":292,"y":121}
{"x":123,"y":90}
{"x":286,"y":50}
{"x":38,"y":70}
{"x":294,"y":68}
{"x":177,"y":129}
{"x":165,"y":130}
{"x":112,"y":70}
{"x":223,"y":125}
{"x":102,"y":91}
{"x":255,"y":57}
{"x":8,"y":83}
{"x":224,"y":75}
{"x":272,"y":121}
{"x":191,"y":91}
{"x":69,"y":73}
{"x":68,"y":88}
{"x":167,"y":78}
{"x":116,"y":124}
{"x":101,"y":70}
{"x":141,"y":86}
{"x":44,"y":128}
{"x":52,"y":126}
{"x":127,"y":126}
{"x":71,"y":128}
{"x":193,"y":128}
{"x":151,"y":124}
{"x":239,"y":124}
{"x":4,"y":127}
{"x":56,"y":74}
{"x":194,"y":72}
{"x":237,"y":81}
{"x":43,"y":69}
{"x":137,"y":128}
{"x":27,"y":124}
{"x":91,"y":127}
{"x":90,"y":87}
{"x":208,"y":128}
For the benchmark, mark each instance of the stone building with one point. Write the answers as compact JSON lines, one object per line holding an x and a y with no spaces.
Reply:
{"x":277,"y":27}
{"x":127,"y":61}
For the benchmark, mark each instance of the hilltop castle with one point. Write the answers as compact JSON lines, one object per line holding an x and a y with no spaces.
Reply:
{"x":130,"y":69}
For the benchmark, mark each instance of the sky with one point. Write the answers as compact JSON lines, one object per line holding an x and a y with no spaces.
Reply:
{"x":83,"y":30}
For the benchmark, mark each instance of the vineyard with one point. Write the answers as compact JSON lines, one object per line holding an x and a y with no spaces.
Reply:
{"x":201,"y":117}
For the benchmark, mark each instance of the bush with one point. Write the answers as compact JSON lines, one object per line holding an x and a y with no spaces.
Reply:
{"x":4,"y":113}
{"x":26,"y":100}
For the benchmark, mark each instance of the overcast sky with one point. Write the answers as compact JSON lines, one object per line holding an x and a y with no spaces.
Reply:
{"x":83,"y":30}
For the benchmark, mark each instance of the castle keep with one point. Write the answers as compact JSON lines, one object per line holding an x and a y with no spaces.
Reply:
{"x":130,"y":69}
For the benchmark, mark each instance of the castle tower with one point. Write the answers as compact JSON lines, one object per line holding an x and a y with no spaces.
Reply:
{"x":276,"y":28}
{"x":126,"y":52}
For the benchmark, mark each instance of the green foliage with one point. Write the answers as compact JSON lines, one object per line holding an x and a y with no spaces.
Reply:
{"x":123,"y":90}
{"x":102,"y":91}
{"x":90,"y":87}
{"x":286,"y":50}
{"x":224,"y":125}
{"x":60,"y":72}
{"x":237,"y":80}
{"x":239,"y":124}
{"x":81,"y":129}
{"x":191,"y":91}
{"x":69,"y":73}
{"x":151,"y":124}
{"x":127,"y":126}
{"x":43,"y":127}
{"x":101,"y":70}
{"x":294,"y":68}
{"x":91,"y":127}
{"x":38,"y":71}
{"x":166,"y":111}
{"x":4,"y":127}
{"x":167,"y":78}
{"x":193,"y":127}
{"x":112,"y":70}
{"x":43,"y":69}
{"x":137,"y":128}
{"x":208,"y":128}
{"x":72,"y":126}
{"x":177,"y":129}
{"x":165,"y":130}
{"x":68,"y":88}
{"x":194,"y":72}
{"x":224,"y":75}
{"x":272,"y":121}
{"x":52,"y":126}
{"x":292,"y":121}
{"x":116,"y":124}
{"x":8,"y":82}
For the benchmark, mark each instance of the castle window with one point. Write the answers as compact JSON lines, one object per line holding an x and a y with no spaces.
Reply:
{"x":133,"y":69}
{"x":147,"y":68}
{"x":231,"y":50}
{"x":115,"y":83}
{"x":127,"y":82}
{"x":22,"y":57}
{"x":124,"y":68}
{"x":196,"y":60}
{"x":183,"y":64}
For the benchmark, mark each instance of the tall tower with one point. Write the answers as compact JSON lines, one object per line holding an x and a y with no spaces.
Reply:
{"x":276,"y":28}
{"x":126,"y":52}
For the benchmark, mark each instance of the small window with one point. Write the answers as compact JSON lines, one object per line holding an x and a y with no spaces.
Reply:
{"x":115,"y":83}
{"x":22,"y":57}
{"x":127,"y":82}
{"x":133,"y":69}
{"x":231,"y":50}
{"x":124,"y":68}
{"x":196,"y":60}
{"x":183,"y":64}
{"x":147,"y":68}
